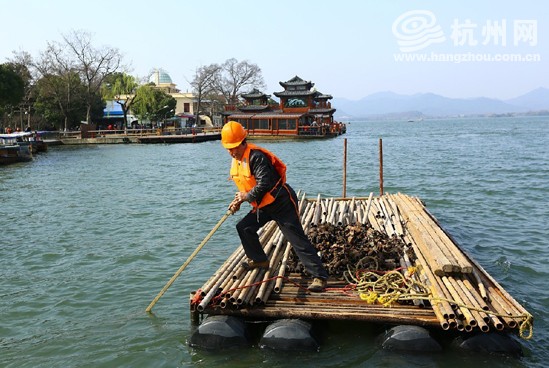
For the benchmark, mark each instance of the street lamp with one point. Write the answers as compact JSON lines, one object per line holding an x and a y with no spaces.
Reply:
{"x":28,"y":118}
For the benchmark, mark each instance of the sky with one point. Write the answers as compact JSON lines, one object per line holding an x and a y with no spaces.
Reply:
{"x":347,"y":48}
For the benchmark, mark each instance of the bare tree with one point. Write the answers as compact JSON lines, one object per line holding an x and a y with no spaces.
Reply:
{"x":56,"y":72}
{"x":94,"y":64}
{"x":235,"y":76}
{"x":203,"y":84}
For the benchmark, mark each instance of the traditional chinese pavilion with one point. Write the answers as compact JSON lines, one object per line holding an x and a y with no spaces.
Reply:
{"x":302,"y":112}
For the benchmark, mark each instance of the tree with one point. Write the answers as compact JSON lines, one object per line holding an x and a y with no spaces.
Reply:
{"x":59,"y":86}
{"x":204,"y":83}
{"x":60,"y":98}
{"x":12,"y":86}
{"x":12,"y":89}
{"x":235,"y":76}
{"x":153,"y":104}
{"x":121,"y":88}
{"x":22,"y":63}
{"x":93,"y":64}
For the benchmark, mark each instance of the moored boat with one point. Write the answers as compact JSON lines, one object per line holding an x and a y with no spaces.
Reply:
{"x":31,"y":139}
{"x":10,"y":154}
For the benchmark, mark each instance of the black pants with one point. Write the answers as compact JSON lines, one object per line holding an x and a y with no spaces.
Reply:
{"x":285,"y":212}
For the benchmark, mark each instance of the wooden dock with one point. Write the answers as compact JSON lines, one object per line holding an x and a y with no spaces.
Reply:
{"x":137,"y":136}
{"x":181,"y":138}
{"x":432,"y":283}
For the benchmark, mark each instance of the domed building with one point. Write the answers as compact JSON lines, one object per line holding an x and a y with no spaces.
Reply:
{"x":163,"y":81}
{"x":185,"y":107}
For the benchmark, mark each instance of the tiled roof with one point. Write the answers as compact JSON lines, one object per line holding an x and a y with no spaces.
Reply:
{"x":294,"y":93}
{"x":321,"y":95}
{"x":267,"y":115}
{"x":254,"y":107}
{"x":296,"y":81}
{"x":255,"y":93}
{"x":322,"y":111}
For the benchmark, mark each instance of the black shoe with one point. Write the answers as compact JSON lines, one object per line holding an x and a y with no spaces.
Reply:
{"x":250,"y":265}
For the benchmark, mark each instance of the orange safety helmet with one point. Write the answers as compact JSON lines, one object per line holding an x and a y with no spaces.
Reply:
{"x":232,"y":134}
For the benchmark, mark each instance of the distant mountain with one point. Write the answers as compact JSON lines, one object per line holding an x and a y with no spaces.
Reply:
{"x":537,"y":99}
{"x":430,"y":104}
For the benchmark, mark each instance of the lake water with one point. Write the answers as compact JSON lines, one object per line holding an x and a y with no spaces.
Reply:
{"x":90,"y":234}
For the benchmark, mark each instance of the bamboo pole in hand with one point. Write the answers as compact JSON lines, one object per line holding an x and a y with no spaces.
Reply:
{"x":176,"y":275}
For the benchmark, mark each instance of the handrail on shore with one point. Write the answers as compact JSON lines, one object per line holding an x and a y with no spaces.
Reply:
{"x":131,"y":132}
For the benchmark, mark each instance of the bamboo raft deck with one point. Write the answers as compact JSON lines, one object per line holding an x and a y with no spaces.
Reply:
{"x":446,"y":288}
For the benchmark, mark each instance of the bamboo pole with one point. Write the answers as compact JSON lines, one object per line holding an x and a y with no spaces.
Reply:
{"x":206,"y":300}
{"x":479,"y":300}
{"x":474,"y":302}
{"x":261,"y":277}
{"x":406,"y":264}
{"x":240,"y":284}
{"x":375,"y":224}
{"x":397,"y":215}
{"x":427,"y":231}
{"x":282,"y":269}
{"x":471,"y":304}
{"x":267,"y":287}
{"x":368,"y":205}
{"x":250,"y":276}
{"x":333,"y":213}
{"x":342,"y":210}
{"x":228,"y":264}
{"x":459,"y":298}
{"x":446,"y":244}
{"x":233,"y":279}
{"x":436,"y":290}
{"x":480,"y":284}
{"x":436,"y":259}
{"x":318,"y":210}
{"x":380,"y":167}
{"x":308,"y":216}
{"x":489,"y":280}
{"x":359,"y":212}
{"x":344,"y":167}
{"x":191,"y":257}
{"x":255,"y":277}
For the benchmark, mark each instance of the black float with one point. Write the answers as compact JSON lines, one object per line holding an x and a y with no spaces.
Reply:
{"x":409,"y":338}
{"x":289,"y":334}
{"x":220,"y":332}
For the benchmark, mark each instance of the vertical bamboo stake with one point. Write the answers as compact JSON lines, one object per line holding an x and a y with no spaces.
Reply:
{"x":380,"y":167}
{"x":344,"y":167}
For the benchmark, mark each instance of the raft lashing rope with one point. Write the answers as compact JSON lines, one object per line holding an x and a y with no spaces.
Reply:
{"x":389,"y":250}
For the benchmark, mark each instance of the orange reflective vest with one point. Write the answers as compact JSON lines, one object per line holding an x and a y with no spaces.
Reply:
{"x":244,"y":179}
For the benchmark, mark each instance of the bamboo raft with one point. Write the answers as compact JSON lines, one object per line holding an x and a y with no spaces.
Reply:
{"x":445,"y":287}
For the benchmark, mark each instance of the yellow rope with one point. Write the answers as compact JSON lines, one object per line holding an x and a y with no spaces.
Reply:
{"x":393,"y":286}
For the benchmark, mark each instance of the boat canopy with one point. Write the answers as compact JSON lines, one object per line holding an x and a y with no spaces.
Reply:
{"x":15,"y":135}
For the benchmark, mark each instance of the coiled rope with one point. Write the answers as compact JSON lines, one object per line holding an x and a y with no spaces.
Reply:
{"x":390,"y":287}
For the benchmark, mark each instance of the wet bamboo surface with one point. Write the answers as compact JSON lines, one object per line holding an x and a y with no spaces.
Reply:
{"x":457,"y":291}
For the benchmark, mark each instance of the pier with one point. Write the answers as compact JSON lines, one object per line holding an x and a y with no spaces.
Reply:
{"x":151,"y":136}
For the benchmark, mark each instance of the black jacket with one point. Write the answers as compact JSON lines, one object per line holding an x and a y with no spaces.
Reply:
{"x":265,"y":175}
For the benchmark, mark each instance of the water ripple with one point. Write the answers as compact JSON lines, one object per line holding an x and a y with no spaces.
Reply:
{"x":92,"y":233}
